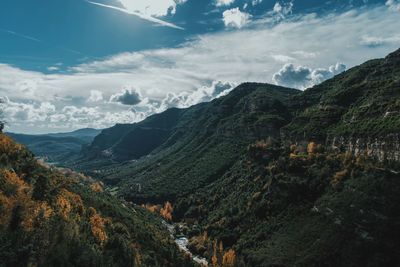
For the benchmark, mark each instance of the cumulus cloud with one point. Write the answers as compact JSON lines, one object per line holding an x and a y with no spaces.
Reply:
{"x":202,"y":94}
{"x":128,"y":96}
{"x":95,"y":96}
{"x":234,"y":18}
{"x":26,"y":112}
{"x":302,"y":77}
{"x":224,"y":2}
{"x":36,"y":116}
{"x":393,"y":5}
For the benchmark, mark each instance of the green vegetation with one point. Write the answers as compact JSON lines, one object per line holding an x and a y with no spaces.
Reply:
{"x":58,"y":147}
{"x":255,"y":178}
{"x":206,"y":141}
{"x":54,"y":217}
{"x":362,"y":102}
{"x":277,"y":207}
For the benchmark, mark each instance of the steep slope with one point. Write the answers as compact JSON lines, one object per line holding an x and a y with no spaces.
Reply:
{"x":54,"y":218}
{"x":132,"y":141}
{"x":311,"y":200}
{"x":277,"y":207}
{"x":59,"y":146}
{"x":205,"y":142}
{"x":319,"y":187}
{"x":357,"y":109}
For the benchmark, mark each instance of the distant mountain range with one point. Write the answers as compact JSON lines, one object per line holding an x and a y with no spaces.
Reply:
{"x":57,"y":147}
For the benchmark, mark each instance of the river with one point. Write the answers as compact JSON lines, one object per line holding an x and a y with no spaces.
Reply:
{"x":183,"y":243}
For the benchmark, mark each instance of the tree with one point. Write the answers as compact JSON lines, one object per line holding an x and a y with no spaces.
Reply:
{"x":1,"y":115}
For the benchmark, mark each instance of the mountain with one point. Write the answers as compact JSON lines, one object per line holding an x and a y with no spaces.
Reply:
{"x":362,"y":102}
{"x":57,"y":147}
{"x":55,"y":217}
{"x":203,"y":142}
{"x":271,"y":176}
{"x":132,"y":141}
{"x":87,"y":134}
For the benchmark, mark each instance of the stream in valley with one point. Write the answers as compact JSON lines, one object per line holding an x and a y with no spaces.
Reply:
{"x":183,"y":243}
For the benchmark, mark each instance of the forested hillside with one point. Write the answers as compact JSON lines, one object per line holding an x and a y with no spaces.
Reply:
{"x":51,"y":217}
{"x":57,"y":147}
{"x":267,"y":175}
{"x":270,"y":176}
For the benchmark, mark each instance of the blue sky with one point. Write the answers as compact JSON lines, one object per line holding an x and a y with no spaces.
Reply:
{"x":67,"y":64}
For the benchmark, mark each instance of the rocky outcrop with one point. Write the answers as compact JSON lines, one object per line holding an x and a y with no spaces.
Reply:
{"x":385,"y":148}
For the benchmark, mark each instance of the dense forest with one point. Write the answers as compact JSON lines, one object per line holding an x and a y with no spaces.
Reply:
{"x":264,"y":176}
{"x":56,"y":217}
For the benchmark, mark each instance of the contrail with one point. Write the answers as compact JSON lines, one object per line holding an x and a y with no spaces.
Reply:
{"x":22,"y":35}
{"x":138,"y":14}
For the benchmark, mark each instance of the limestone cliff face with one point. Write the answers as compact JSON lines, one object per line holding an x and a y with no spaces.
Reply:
{"x":380,"y":148}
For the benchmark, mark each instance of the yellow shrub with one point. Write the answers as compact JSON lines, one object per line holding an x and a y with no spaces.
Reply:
{"x":229,"y":258}
{"x":98,"y":225}
{"x":97,"y":187}
{"x":166,"y":211}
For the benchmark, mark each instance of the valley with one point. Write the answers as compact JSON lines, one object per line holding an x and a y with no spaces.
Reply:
{"x":267,"y":175}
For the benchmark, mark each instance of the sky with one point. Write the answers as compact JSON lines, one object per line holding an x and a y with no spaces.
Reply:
{"x":70,"y":64}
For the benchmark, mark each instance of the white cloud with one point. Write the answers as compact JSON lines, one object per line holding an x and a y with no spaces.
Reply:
{"x":302,"y":77}
{"x":393,"y":5}
{"x":224,"y":2}
{"x":53,"y":68}
{"x":235,"y":18}
{"x":136,"y":8}
{"x":26,"y":112}
{"x":282,"y":9}
{"x":158,"y":8}
{"x":128,"y":96}
{"x":372,"y":41}
{"x":95,"y":96}
{"x":256,"y":2}
{"x":282,"y":58}
{"x":254,"y":53}
{"x":202,"y":94}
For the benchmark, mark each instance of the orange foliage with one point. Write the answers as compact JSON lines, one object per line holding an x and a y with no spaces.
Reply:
{"x":67,"y":201}
{"x":8,"y":146}
{"x":338,"y":177}
{"x":21,"y":196}
{"x":33,"y":210}
{"x":13,"y":179}
{"x":152,"y":208}
{"x":214,"y":258}
{"x":166,"y":211}
{"x":229,"y":258}
{"x":97,"y":187}
{"x":98,"y":225}
{"x":64,"y":205}
{"x":6,"y":204}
